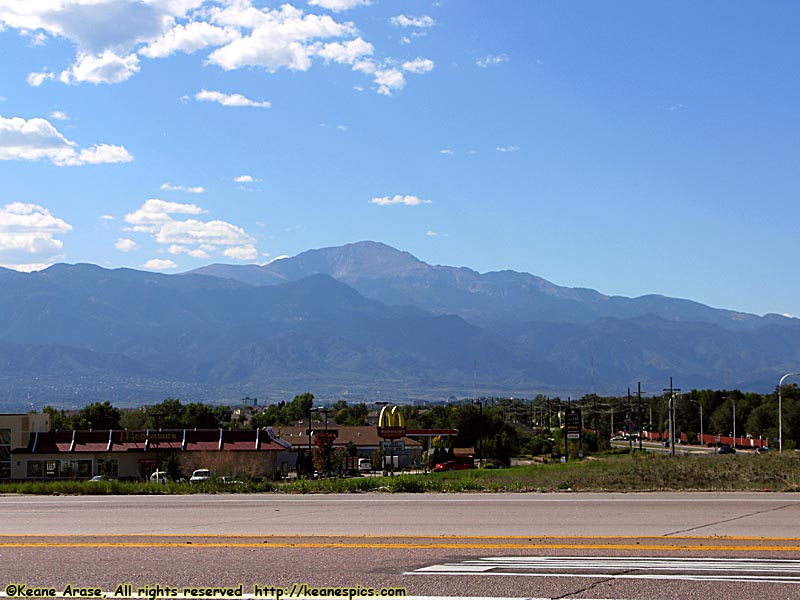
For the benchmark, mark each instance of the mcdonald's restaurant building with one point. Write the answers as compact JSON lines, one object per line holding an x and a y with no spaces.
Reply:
{"x":407,"y":451}
{"x":29,"y":451}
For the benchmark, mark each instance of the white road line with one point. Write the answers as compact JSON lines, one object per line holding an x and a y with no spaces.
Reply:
{"x":711,"y":569}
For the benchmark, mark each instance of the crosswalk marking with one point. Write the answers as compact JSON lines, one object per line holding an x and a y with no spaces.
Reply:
{"x":620,"y":567}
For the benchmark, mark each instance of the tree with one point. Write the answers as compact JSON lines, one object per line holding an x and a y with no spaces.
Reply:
{"x":350,"y":415}
{"x":58,"y":419}
{"x":201,"y":416}
{"x":166,"y":415}
{"x":133,"y":419}
{"x":97,"y":416}
{"x":300,"y":407}
{"x":323,"y":452}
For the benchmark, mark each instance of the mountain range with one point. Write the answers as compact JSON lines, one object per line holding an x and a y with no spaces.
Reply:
{"x":362,"y":322}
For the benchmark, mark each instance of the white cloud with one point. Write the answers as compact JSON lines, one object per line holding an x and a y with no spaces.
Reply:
{"x":193,"y":231}
{"x":189,"y":38}
{"x":27,"y":237}
{"x":37,"y":79}
{"x":431,"y":233}
{"x":37,"y":139}
{"x":167,"y":186}
{"x":101,"y":154}
{"x":405,"y":21}
{"x":111,"y":37}
{"x":59,"y":115}
{"x":284,"y":37}
{"x":159,"y":264}
{"x":507,"y":148}
{"x":248,"y":252}
{"x":229,"y":99}
{"x":94,"y":25}
{"x":125,"y":245}
{"x":106,"y":218}
{"x":348,"y":52}
{"x":491,"y":59}
{"x":189,"y":236}
{"x":244,"y":179}
{"x":418,"y":65}
{"x":398,"y":199}
{"x":201,"y":252}
{"x":447,"y":151}
{"x":154,"y":213}
{"x":101,"y":68}
{"x":339,"y":5}
{"x":389,"y":80}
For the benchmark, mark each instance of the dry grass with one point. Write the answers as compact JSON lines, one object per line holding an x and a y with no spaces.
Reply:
{"x":625,"y":473}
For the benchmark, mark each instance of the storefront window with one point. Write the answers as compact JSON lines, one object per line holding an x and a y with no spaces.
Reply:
{"x":52,"y":468}
{"x":76,"y":468}
{"x":108,"y":467}
{"x":35,"y":468}
{"x":5,"y":454}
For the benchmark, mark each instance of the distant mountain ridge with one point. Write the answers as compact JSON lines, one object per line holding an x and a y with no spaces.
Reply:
{"x":360,"y":322}
{"x":395,"y":277}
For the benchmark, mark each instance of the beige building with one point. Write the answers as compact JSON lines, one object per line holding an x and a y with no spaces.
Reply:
{"x":134,"y":454}
{"x":15,"y":431}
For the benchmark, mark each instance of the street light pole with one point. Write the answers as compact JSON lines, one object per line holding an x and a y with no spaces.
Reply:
{"x":671,"y":413}
{"x":733,"y":403}
{"x":383,"y":457}
{"x":480,"y":430}
{"x":780,"y":411}
{"x":702,"y":439}
{"x":325,"y":411}
{"x":157,"y":414}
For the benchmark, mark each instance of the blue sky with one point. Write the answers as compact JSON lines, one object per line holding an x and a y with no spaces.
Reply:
{"x":630,"y":147}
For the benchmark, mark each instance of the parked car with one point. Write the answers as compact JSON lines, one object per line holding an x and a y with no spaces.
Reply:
{"x":98,"y":478}
{"x":229,"y":480}
{"x":762,"y":449}
{"x":453,"y":465}
{"x":200,"y":475}
{"x":364,"y":464}
{"x":726,"y":450}
{"x":158,"y":477}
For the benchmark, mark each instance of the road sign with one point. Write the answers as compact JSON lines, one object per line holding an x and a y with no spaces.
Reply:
{"x":573,"y":423}
{"x":397,"y":446}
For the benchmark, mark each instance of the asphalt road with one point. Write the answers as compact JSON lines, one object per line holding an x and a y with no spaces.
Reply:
{"x":469,"y":545}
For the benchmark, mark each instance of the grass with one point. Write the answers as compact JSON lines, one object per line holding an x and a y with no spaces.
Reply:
{"x":612,"y":473}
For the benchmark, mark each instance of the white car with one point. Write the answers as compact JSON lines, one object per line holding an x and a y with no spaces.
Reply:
{"x":158,"y":477}
{"x":364,"y":464}
{"x":200,"y":475}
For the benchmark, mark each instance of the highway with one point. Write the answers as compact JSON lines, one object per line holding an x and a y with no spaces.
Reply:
{"x":678,"y":545}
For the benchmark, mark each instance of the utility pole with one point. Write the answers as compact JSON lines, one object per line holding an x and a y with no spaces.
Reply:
{"x":630,"y":437}
{"x":639,"y":394}
{"x":671,"y":413}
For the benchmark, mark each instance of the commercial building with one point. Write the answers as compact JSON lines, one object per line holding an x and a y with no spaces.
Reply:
{"x":127,"y":454}
{"x":407,"y":452}
{"x":15,"y":429}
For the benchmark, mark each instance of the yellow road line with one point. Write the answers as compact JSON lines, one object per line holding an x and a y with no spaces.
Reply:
{"x":451,"y":546}
{"x":368,"y":536}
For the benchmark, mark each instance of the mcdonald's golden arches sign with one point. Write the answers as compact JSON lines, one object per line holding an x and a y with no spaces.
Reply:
{"x":391,"y":424}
